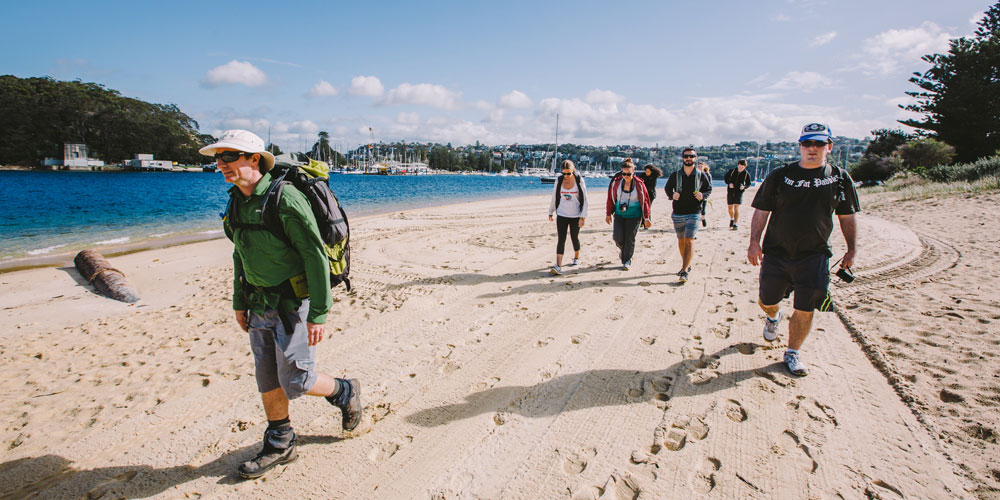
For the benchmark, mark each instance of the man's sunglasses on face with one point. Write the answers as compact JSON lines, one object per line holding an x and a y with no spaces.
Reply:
{"x":689,"y":156}
{"x":813,"y":144}
{"x":230,"y":156}
{"x":627,"y":174}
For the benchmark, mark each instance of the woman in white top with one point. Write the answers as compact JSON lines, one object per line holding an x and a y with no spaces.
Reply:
{"x":569,"y":202}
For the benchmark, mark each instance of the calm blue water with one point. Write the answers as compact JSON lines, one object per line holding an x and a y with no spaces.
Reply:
{"x":59,"y":212}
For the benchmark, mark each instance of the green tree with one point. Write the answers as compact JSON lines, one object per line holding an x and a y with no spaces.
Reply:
{"x":925,"y":153}
{"x":886,"y":142}
{"x":960,"y":93}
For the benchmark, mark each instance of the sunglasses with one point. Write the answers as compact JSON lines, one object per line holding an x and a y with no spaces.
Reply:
{"x":627,"y":174}
{"x":230,"y":156}
{"x":689,"y":156}
{"x":813,"y":144}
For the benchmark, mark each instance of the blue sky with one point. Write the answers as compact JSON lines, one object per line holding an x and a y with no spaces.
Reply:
{"x":673,"y":73}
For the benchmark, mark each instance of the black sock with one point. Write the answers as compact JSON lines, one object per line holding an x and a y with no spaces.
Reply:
{"x":341,"y":385}
{"x":278,"y":424}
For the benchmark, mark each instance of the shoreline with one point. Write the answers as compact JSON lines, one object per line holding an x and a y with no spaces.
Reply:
{"x":63,"y":259}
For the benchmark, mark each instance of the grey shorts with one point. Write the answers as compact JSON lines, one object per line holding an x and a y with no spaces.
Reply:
{"x":686,"y":226}
{"x":282,"y":359}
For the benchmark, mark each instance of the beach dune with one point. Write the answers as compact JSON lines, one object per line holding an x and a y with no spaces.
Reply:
{"x":484,"y":376}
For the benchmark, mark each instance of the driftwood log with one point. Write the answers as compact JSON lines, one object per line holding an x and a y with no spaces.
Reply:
{"x":106,"y":279}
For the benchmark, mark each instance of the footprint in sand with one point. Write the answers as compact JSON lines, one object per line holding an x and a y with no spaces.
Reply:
{"x":734,"y":410}
{"x":648,"y":340}
{"x":636,"y":389}
{"x":102,"y":488}
{"x":617,"y":487}
{"x":579,"y":338}
{"x":721,"y":332}
{"x":385,"y":451}
{"x":789,"y":446}
{"x":703,"y":478}
{"x":550,"y":372}
{"x":881,"y":490}
{"x":544,"y":342}
{"x":746,"y":348}
{"x":575,"y":462}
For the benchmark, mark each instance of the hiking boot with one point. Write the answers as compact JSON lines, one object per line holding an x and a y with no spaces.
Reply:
{"x":683,"y":275}
{"x":555,"y":270}
{"x":794,"y":364}
{"x":576,"y":262}
{"x":627,"y":264}
{"x":771,"y":327}
{"x":268,"y":458}
{"x":349,"y":402}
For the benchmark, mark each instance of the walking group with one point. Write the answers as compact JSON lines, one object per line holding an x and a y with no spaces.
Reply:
{"x":282,"y":278}
{"x":795,"y":203}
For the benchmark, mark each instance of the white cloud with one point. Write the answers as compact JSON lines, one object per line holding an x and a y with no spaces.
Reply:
{"x":806,"y":81}
{"x":823,"y":39}
{"x":781,"y":17}
{"x":422,"y":94}
{"x":369,"y":86}
{"x":323,"y":89}
{"x":234,"y":73}
{"x":978,"y":16}
{"x":515,"y":99}
{"x":894,"y":50}
{"x":408,"y":118}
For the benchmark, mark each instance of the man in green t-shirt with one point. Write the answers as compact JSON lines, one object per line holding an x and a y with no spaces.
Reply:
{"x":281,"y":296}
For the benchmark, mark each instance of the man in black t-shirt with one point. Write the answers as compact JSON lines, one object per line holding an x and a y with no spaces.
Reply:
{"x":796,"y":203}
{"x":688,"y":187}
{"x":737,"y":181}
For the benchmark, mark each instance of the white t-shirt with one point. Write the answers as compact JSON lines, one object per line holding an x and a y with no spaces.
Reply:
{"x":569,"y":201}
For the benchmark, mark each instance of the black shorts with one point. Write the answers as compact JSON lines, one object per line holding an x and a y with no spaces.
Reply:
{"x":808,"y":277}
{"x":734,"y":196}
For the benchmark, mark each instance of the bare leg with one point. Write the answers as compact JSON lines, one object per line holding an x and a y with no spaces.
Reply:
{"x":731,"y":208}
{"x":559,"y":259}
{"x":576,"y":254}
{"x":687,"y":251}
{"x":770,"y":311}
{"x":324,"y":386}
{"x":275,"y":404}
{"x":736,"y":213}
{"x":798,"y":328}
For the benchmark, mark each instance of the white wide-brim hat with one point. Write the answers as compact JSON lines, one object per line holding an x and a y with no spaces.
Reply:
{"x":242,"y":140}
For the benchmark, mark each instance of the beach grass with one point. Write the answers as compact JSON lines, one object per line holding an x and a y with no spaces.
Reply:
{"x":913,"y":187}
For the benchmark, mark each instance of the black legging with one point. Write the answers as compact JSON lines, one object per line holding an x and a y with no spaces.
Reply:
{"x":562,"y":223}
{"x":623,"y":232}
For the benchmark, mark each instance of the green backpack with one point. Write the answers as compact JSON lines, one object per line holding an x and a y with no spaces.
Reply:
{"x":312,"y":179}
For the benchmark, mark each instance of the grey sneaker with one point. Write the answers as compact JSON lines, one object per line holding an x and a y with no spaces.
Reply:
{"x":627,"y":264}
{"x":349,"y":403}
{"x":268,"y":458}
{"x":576,"y":262}
{"x":795,"y":365}
{"x":771,"y":327}
{"x":683,"y":275}
{"x":555,"y":270}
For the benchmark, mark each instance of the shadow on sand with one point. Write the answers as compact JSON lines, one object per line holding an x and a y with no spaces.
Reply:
{"x":595,"y":388}
{"x":52,"y":476}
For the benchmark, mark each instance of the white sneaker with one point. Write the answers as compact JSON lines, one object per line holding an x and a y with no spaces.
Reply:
{"x":576,"y":262}
{"x":794,"y":364}
{"x":556,"y":270}
{"x":771,"y":327}
{"x":626,"y":265}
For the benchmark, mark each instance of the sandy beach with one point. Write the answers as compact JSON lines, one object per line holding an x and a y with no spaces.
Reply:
{"x":485,"y":377}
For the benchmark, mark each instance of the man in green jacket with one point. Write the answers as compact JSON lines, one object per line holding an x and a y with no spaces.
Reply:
{"x":281,"y":296}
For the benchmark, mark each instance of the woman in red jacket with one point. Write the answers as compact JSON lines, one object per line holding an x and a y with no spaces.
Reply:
{"x":628,"y":200}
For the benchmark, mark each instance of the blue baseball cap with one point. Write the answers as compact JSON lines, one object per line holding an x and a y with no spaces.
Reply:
{"x":816,"y":132}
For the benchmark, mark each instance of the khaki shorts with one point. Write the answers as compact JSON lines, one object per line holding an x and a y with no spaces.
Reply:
{"x":282,"y":359}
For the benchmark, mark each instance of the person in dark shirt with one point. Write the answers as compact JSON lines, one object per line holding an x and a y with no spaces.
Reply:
{"x":688,"y":187}
{"x":737,"y":181}
{"x":797,"y":202}
{"x":648,"y":176}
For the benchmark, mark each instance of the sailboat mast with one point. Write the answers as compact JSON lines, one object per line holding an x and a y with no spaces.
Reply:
{"x":555,"y":156}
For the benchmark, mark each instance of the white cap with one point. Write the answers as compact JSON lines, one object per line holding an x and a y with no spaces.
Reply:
{"x":242,"y":140}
